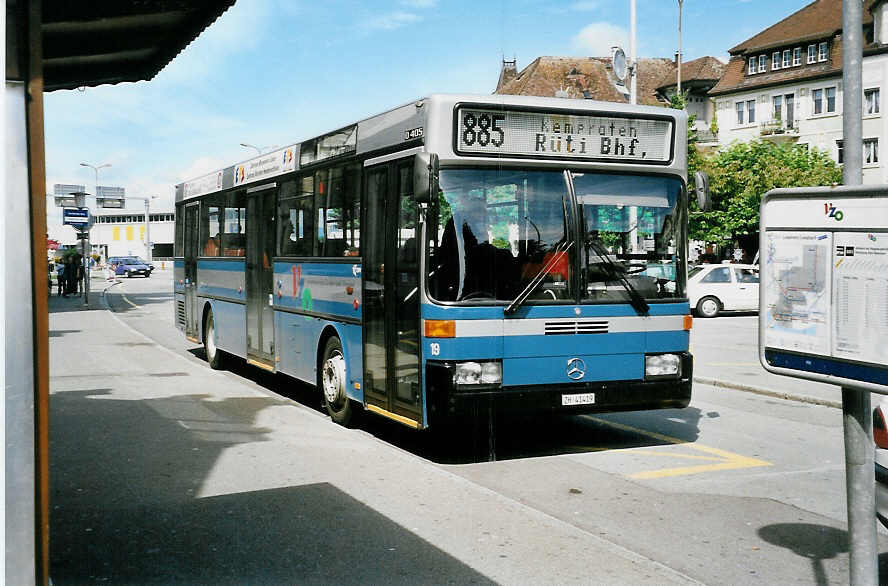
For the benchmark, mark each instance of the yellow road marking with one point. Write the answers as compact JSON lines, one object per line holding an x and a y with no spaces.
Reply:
{"x":724,"y":460}
{"x":125,"y":298}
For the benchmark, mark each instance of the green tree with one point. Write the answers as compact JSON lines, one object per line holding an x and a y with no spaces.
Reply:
{"x":740,"y":174}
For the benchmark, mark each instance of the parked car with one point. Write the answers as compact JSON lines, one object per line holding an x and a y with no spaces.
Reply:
{"x":138,"y":259}
{"x":715,"y":288}
{"x":129,"y":266}
{"x":880,"y":437}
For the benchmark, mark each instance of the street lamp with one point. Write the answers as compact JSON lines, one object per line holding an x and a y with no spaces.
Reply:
{"x":259,"y":150}
{"x":87,"y":249}
{"x":680,"y":2}
{"x":148,"y":251}
{"x":247,"y":145}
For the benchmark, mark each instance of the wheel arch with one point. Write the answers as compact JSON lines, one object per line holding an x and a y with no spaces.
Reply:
{"x":205,"y":310}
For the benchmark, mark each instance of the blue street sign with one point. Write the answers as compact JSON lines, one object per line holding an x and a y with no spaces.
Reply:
{"x":75,"y":216}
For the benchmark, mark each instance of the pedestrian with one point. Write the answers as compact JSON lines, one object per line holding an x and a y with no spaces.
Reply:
{"x":81,"y":271}
{"x":60,"y":275}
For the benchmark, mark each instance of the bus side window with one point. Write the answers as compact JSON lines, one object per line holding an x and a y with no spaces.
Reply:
{"x":234,"y":235}
{"x":337,"y":200}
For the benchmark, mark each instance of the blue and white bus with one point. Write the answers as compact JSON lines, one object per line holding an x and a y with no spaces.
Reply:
{"x":520,"y":251}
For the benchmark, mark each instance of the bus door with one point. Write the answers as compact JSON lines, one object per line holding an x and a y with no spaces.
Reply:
{"x":259,"y":275}
{"x":391,"y":294}
{"x":192,"y":250}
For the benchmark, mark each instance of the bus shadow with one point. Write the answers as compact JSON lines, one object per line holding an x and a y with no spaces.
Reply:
{"x":489,"y":437}
{"x":485,"y":436}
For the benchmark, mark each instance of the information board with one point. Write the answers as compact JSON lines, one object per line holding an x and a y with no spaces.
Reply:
{"x":823,"y":308}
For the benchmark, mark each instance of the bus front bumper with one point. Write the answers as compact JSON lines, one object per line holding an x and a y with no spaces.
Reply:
{"x":447,"y":399}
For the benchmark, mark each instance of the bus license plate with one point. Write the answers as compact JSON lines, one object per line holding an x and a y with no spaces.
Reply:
{"x":579,"y":399}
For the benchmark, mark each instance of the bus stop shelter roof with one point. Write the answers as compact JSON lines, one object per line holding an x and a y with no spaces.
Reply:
{"x":111,"y":41}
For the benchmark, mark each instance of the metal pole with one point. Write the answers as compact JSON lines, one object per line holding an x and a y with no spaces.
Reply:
{"x":633,"y":95}
{"x":147,"y":229}
{"x":679,"y":46}
{"x":856,"y":416}
{"x":852,"y":97}
{"x":860,"y":486}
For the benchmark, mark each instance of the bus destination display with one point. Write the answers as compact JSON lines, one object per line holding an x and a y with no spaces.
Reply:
{"x":546,"y":134}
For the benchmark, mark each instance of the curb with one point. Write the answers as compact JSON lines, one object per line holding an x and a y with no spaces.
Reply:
{"x":769,"y":392}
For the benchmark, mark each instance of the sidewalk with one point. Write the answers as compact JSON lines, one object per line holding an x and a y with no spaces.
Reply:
{"x":163,"y":470}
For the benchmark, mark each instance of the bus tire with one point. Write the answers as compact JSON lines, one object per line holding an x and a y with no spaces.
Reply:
{"x":333,"y":381}
{"x":215,"y":356}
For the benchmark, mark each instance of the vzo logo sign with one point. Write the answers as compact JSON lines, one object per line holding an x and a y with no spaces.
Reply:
{"x":832,"y":211}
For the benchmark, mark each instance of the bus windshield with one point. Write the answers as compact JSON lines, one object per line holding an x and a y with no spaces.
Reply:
{"x":497,"y":234}
{"x":631,"y":235}
{"x":495,"y":230}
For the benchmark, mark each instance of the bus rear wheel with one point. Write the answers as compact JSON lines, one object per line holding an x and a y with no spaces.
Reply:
{"x":215,"y":357}
{"x":333,"y":383}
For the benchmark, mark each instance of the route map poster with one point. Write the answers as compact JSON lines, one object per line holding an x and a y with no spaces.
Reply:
{"x":797,"y":291}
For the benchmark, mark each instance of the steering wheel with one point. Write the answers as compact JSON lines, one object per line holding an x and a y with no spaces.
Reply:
{"x":478,"y":294}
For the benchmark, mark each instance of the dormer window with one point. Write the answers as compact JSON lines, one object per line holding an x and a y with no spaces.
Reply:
{"x":775,"y":60}
{"x":812,"y":54}
{"x":823,"y":52}
{"x":796,"y":56}
{"x":763,"y":63}
{"x":751,"y":68}
{"x":786,"y":58}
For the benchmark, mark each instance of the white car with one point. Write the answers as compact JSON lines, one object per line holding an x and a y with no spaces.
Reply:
{"x":715,"y":288}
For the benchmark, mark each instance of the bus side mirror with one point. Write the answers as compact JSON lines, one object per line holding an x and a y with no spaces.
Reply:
{"x":704,"y":201}
{"x":425,"y":177}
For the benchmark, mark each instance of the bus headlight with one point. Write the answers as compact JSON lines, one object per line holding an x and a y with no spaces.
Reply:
{"x":478,"y":373}
{"x":662,"y":365}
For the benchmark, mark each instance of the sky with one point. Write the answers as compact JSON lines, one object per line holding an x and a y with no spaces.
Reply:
{"x":275,"y":72}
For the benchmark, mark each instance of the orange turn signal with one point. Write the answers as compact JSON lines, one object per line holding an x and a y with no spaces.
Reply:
{"x":440,"y":328}
{"x":688,"y":322}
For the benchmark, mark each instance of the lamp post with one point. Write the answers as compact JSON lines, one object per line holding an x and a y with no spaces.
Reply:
{"x":148,"y":249}
{"x":259,"y":150}
{"x":680,"y":2}
{"x":86,"y":244}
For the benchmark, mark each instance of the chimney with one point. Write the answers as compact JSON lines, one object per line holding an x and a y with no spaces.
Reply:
{"x":508,"y":72}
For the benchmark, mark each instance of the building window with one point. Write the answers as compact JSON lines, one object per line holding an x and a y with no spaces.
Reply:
{"x":750,"y":110}
{"x":823,"y":52}
{"x":775,"y":60}
{"x":786,"y":57}
{"x":821,"y":105}
{"x":840,"y":151}
{"x":763,"y":63}
{"x":871,"y":151}
{"x":778,"y":108}
{"x":871,"y":101}
{"x":831,"y":99}
{"x":812,"y":54}
{"x":751,"y":68}
{"x":739,"y":106}
{"x":796,"y":56}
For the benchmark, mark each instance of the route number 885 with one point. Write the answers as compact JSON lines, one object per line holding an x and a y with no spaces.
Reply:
{"x":483,"y":129}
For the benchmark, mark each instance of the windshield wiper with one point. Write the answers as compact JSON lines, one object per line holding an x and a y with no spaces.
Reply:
{"x":619,"y":275}
{"x":562,"y":247}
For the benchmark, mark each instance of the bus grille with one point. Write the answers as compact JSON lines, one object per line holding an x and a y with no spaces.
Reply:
{"x":180,"y":313}
{"x":559,"y":328}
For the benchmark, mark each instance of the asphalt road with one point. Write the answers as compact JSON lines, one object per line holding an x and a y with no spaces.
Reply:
{"x":737,"y":488}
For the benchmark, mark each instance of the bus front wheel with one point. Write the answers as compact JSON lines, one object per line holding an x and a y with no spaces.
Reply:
{"x":333,"y":382}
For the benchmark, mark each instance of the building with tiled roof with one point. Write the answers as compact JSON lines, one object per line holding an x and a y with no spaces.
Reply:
{"x":593,"y":78}
{"x":785,"y":83}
